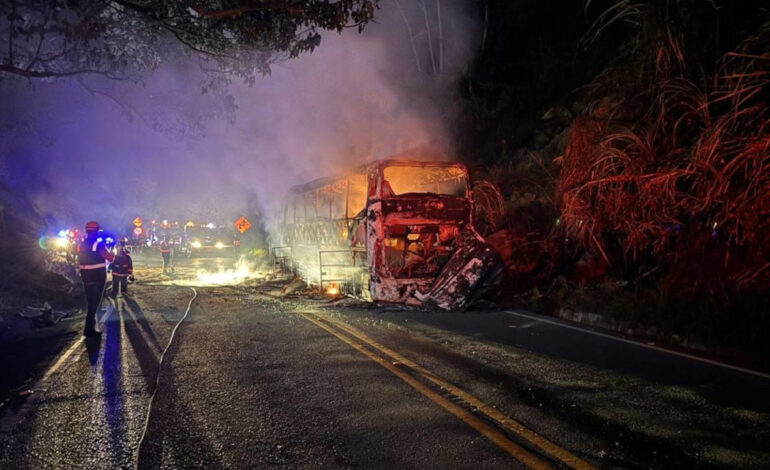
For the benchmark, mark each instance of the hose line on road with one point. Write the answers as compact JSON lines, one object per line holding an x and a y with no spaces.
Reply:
{"x":157,"y":378}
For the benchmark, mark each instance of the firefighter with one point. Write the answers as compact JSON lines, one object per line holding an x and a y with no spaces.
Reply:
{"x":122,"y":267}
{"x":92,"y":260}
{"x":165,"y":252}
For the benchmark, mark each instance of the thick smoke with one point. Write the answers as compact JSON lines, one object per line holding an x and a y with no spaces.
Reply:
{"x":95,"y":148}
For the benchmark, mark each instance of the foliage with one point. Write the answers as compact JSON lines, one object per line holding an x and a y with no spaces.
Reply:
{"x":670,"y":166}
{"x":489,"y":207}
{"x":122,"y":38}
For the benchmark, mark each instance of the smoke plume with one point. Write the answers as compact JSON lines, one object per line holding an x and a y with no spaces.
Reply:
{"x":176,"y":146}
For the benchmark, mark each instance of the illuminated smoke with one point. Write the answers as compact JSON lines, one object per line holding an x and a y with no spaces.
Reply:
{"x":94,"y":154}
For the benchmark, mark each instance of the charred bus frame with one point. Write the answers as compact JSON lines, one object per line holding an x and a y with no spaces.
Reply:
{"x":380,"y":232}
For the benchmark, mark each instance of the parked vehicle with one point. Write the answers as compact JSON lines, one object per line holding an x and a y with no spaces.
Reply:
{"x":209,"y":240}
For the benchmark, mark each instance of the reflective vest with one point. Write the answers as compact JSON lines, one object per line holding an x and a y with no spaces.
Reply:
{"x":92,"y":254}
{"x":122,"y":266}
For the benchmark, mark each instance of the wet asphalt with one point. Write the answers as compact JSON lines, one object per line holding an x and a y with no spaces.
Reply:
{"x":250,"y":383}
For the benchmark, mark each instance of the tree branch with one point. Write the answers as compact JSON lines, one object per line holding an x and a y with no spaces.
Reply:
{"x":133,"y":6}
{"x":237,"y":11}
{"x":36,"y":57}
{"x":51,"y":74}
{"x":129,"y":110}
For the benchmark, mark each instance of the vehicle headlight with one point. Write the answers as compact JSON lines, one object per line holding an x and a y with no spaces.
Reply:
{"x":196,"y":244}
{"x":220,"y":245}
{"x":62,"y":242}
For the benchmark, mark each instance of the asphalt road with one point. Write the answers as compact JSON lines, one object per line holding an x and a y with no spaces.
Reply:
{"x":254,"y":380}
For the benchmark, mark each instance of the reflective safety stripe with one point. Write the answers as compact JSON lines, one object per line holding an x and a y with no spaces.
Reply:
{"x":93,"y":266}
{"x":119,"y":274}
{"x":95,"y":245}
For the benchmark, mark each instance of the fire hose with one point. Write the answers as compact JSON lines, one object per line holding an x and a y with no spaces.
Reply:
{"x":157,"y":379}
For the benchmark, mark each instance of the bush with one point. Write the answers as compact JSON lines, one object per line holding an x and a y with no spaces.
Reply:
{"x":670,"y":167}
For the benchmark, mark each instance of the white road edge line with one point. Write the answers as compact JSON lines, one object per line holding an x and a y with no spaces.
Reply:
{"x":643,"y":345}
{"x":8,"y":420}
{"x":63,"y":358}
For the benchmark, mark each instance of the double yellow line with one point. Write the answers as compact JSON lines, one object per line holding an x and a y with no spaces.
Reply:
{"x":411,"y":373}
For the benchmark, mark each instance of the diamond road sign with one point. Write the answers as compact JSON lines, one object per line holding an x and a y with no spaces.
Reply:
{"x":138,"y":222}
{"x":242,"y":224}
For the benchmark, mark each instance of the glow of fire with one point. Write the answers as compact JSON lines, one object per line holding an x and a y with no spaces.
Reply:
{"x":333,"y":290}
{"x":242,"y":272}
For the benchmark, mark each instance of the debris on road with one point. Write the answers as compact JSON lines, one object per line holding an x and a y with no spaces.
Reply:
{"x":294,"y":286}
{"x":43,"y":316}
{"x":471,"y":271}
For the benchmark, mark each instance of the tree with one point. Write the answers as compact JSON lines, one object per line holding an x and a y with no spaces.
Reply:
{"x":122,"y":38}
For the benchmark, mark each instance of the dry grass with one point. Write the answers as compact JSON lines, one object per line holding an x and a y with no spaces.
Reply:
{"x":667,"y":171}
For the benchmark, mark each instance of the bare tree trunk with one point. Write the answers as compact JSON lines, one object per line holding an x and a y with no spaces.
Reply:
{"x":440,"y":37}
{"x":430,"y":41}
{"x":411,"y":36}
{"x":486,"y":25}
{"x":11,"y":19}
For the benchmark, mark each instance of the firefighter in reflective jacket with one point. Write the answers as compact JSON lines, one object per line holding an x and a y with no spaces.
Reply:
{"x":92,"y":259}
{"x":165,"y":252}
{"x":121,"y":268}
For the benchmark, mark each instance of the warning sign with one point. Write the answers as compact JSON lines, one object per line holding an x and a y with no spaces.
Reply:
{"x":138,"y":222}
{"x":242,"y":224}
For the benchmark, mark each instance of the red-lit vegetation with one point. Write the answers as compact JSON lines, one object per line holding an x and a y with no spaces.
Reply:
{"x":670,"y":170}
{"x":635,"y":169}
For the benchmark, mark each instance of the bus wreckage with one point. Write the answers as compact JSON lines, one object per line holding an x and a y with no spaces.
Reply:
{"x":394,"y":231}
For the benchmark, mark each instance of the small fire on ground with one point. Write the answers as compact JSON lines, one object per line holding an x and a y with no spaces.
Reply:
{"x":243,"y":271}
{"x":333,"y":290}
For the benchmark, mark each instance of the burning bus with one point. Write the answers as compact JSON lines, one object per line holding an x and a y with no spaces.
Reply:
{"x":383,"y":232}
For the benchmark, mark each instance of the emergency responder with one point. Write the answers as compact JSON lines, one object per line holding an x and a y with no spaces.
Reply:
{"x":165,"y":252}
{"x":92,"y":260}
{"x":121,"y":268}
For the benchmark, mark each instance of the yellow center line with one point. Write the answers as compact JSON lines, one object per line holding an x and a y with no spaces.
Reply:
{"x":494,"y":435}
{"x":511,"y":425}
